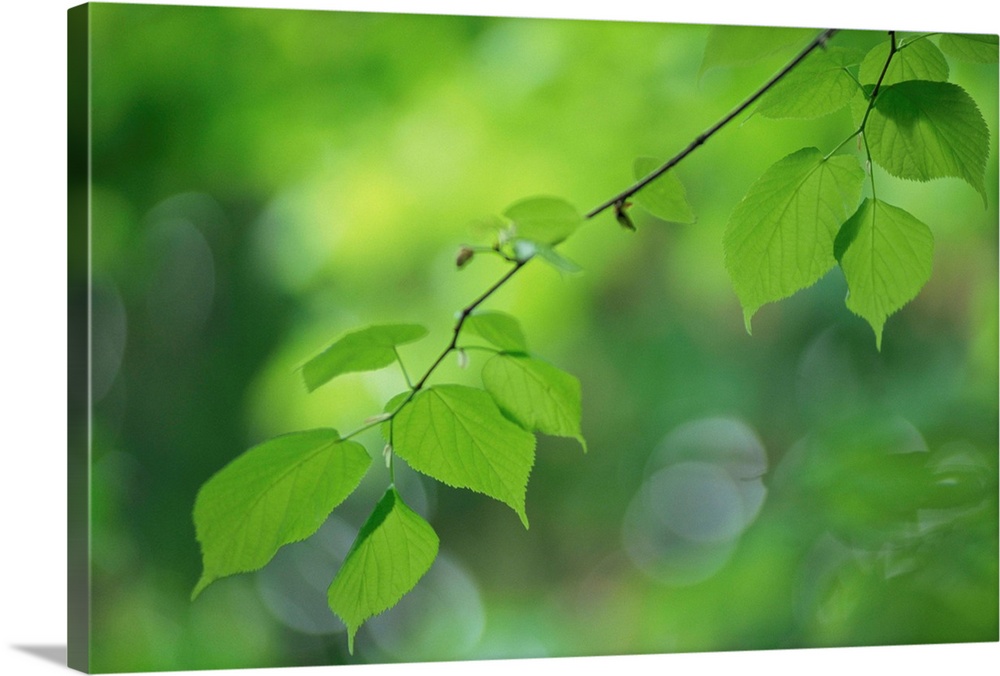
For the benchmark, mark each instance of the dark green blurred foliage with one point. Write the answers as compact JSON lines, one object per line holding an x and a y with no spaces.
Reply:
{"x":265,"y":181}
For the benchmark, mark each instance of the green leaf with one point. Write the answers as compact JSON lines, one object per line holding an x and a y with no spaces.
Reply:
{"x":973,"y":48}
{"x":278,"y":492}
{"x":923,"y":130}
{"x":457,"y":435}
{"x":818,"y":86}
{"x":886,"y":256}
{"x":742,"y":45}
{"x":498,"y":328}
{"x":393,"y":550}
{"x":487,"y":227}
{"x":549,"y":255}
{"x":547,"y":220}
{"x":915,"y":60}
{"x":665,"y":197}
{"x":536,"y":395}
{"x":525,"y":249}
{"x":780,"y":237}
{"x":368,"y":349}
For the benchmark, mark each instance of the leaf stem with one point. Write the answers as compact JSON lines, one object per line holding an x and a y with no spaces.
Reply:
{"x":841,"y":145}
{"x":484,"y":348}
{"x":402,"y":367}
{"x":363,"y":428}
{"x":491,"y":250}
{"x":856,"y":80}
{"x":819,"y":41}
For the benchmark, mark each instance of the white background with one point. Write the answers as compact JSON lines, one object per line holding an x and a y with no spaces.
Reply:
{"x":33,"y":329}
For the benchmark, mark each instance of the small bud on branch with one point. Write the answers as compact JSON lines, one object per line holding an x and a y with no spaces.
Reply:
{"x":465,"y":254}
{"x":623,"y":218}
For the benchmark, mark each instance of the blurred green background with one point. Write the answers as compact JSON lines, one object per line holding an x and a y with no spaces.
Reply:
{"x":265,"y":180}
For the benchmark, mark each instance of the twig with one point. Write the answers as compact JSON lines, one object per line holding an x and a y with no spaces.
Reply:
{"x":885,"y":68}
{"x":463,"y":315}
{"x":819,"y":41}
{"x":619,"y":200}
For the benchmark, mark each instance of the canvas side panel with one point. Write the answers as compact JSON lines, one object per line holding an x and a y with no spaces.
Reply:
{"x":78,"y":296}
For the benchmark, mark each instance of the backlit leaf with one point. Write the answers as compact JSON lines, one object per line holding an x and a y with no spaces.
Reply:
{"x":820,"y":85}
{"x":916,"y":60}
{"x":498,"y":328}
{"x":968,"y":47}
{"x":780,"y":237}
{"x":547,"y":220}
{"x":457,"y":435}
{"x":393,"y":550}
{"x":886,"y":256}
{"x":526,"y":249}
{"x":278,"y":492}
{"x":535,"y":394}
{"x":487,"y":227}
{"x":368,"y":349}
{"x":665,"y":197}
{"x":552,"y":257}
{"x":923,"y":130}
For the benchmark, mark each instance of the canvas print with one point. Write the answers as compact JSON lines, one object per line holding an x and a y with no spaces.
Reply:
{"x":404,"y":337}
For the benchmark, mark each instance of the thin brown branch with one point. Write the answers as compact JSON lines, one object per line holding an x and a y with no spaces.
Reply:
{"x":885,"y":68}
{"x":819,"y":41}
{"x":619,"y":199}
{"x":463,"y":315}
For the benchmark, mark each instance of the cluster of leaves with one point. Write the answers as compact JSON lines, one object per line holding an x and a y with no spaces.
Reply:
{"x":802,"y":217}
{"x":481,"y":439}
{"x":806,"y":213}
